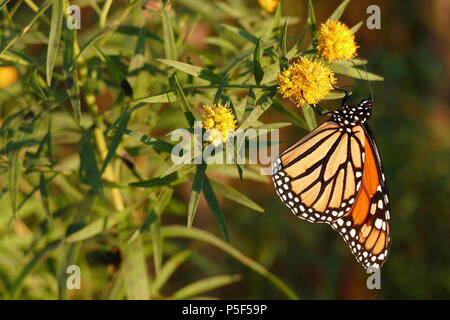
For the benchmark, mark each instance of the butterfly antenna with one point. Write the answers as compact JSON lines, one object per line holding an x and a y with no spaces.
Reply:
{"x":367,"y":77}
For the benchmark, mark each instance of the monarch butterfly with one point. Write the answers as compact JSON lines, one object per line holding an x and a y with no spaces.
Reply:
{"x":334,"y":175}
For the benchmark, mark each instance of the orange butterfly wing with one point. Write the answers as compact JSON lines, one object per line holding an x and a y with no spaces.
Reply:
{"x":366,"y":227}
{"x":319,"y":176}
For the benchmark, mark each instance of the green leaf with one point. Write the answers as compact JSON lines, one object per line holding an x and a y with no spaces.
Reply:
{"x":168,"y":269}
{"x":170,"y":47}
{"x":356,"y":27}
{"x":276,"y":22}
{"x":3,"y":3}
{"x":293,"y":117}
{"x":29,"y":267}
{"x":233,"y":194}
{"x":214,"y":205}
{"x":184,"y":103}
{"x":41,"y":11}
{"x":310,"y":117}
{"x":356,"y":73}
{"x":197,"y":187}
{"x":71,"y":77}
{"x":283,"y":39}
{"x":200,"y":235}
{"x":116,"y":73}
{"x":336,"y":15}
{"x":193,"y":70}
{"x":156,"y":211}
{"x":44,"y":197}
{"x":242,"y":33}
{"x":88,"y":162}
{"x":222,"y":43}
{"x":115,"y":142}
{"x":158,"y":144}
{"x":205,"y":285}
{"x":161,"y":98}
{"x":258,"y":72}
{"x":97,"y":226}
{"x":156,"y":182}
{"x":92,"y":41}
{"x":263,"y":104}
{"x":244,"y":56}
{"x":312,"y":23}
{"x":54,"y":37}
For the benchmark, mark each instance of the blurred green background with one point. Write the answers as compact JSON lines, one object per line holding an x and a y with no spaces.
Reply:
{"x":411,"y":122}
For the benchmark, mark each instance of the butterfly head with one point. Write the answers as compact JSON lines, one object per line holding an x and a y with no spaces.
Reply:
{"x":354,"y":114}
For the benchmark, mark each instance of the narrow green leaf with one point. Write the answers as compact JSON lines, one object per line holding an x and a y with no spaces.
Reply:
{"x":92,"y":41}
{"x":29,"y":267}
{"x":200,"y":235}
{"x":233,"y":194}
{"x":193,"y":70}
{"x":293,"y":117}
{"x":54,"y":37}
{"x":156,"y":211}
{"x":312,"y":23}
{"x":276,"y":22}
{"x":157,"y":243}
{"x":249,"y":104}
{"x":161,"y":98}
{"x":205,"y":285}
{"x":336,"y":15}
{"x":240,"y":32}
{"x":71,"y":76}
{"x":222,"y":43}
{"x":170,"y":47}
{"x":115,"y":71}
{"x":156,"y":182}
{"x":356,"y":27}
{"x":214,"y":205}
{"x":97,"y":226}
{"x":219,"y":92}
{"x":41,"y":11}
{"x":158,"y":144}
{"x":310,"y":117}
{"x":258,"y":72}
{"x":14,"y":174}
{"x":115,"y":142}
{"x":197,"y":187}
{"x":44,"y":197}
{"x":356,"y":73}
{"x":263,"y":104}
{"x":3,"y":3}
{"x":240,"y":58}
{"x":168,"y":269}
{"x":184,"y":103}
{"x":89,"y":171}
{"x":283,"y":38}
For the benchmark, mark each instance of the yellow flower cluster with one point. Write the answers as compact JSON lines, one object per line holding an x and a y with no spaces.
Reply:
{"x":306,"y":81}
{"x":220,"y":123}
{"x":336,"y":41}
{"x":269,"y":5}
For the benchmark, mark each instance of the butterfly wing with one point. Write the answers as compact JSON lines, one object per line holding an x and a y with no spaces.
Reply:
{"x":366,"y":227}
{"x":319,"y":176}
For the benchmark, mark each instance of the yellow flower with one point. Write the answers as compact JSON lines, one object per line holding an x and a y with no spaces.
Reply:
{"x":336,"y":41}
{"x":220,"y":123}
{"x":269,"y":5}
{"x":8,"y":76}
{"x":306,"y":81}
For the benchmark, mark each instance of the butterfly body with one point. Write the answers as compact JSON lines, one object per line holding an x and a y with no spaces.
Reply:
{"x":334,"y":175}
